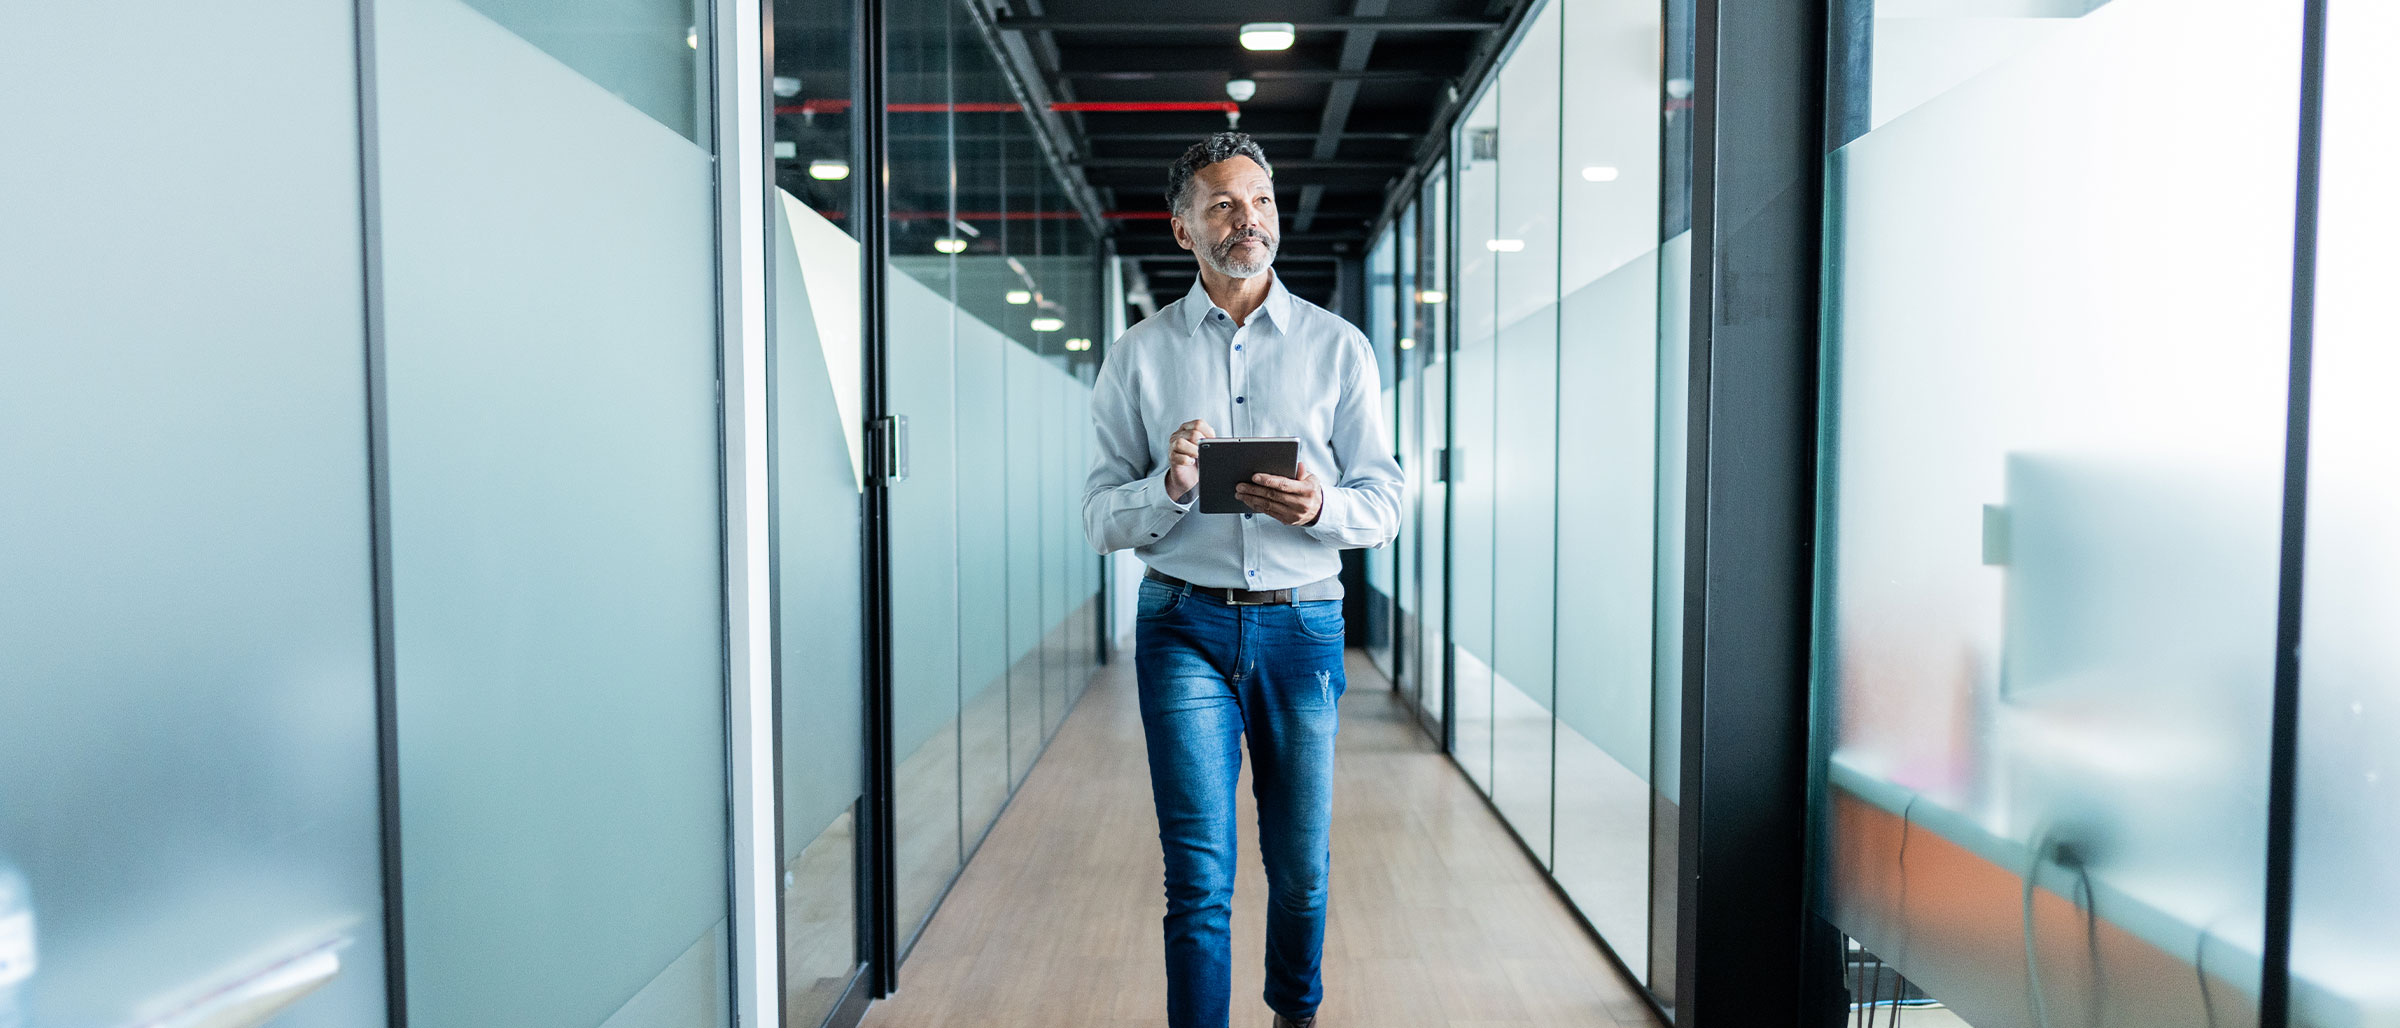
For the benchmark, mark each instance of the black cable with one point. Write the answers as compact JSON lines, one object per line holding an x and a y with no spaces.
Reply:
{"x":2097,"y":1000}
{"x":2034,"y":1003}
{"x":2208,"y":1003}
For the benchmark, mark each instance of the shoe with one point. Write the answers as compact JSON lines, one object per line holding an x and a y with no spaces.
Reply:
{"x":1306,"y":1022}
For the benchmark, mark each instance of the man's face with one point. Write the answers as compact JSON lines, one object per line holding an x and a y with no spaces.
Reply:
{"x":1229,"y":219}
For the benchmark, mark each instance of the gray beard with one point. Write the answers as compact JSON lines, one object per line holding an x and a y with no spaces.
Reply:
{"x":1220,"y":258}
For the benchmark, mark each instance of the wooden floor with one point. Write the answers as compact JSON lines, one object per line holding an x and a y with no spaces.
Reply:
{"x":1437,"y":917}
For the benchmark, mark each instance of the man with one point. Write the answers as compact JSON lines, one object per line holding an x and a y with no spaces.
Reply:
{"x":1240,"y":629}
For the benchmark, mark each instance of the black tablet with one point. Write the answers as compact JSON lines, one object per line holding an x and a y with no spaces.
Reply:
{"x":1225,"y":463}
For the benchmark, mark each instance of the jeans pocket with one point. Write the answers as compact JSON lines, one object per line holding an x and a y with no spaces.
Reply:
{"x":1156,"y":600}
{"x":1320,"y":620}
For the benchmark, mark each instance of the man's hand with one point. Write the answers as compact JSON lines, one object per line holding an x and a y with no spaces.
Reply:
{"x":1293,"y":501}
{"x":1183,"y":458}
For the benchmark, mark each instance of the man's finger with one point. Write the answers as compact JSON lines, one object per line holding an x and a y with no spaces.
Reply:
{"x":1292,"y":487}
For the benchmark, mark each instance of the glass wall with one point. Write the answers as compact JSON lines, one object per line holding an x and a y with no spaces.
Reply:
{"x":2347,"y":886}
{"x":1563,"y":456}
{"x":1383,"y":336}
{"x":1475,"y":157}
{"x":189,"y":796}
{"x":550,"y":317}
{"x":2057,"y":328}
{"x":1428,"y":374}
{"x":993,"y":311}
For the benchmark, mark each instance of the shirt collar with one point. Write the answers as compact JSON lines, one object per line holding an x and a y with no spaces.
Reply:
{"x":1277,"y":308}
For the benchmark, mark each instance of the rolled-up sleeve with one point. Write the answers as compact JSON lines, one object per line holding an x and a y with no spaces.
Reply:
{"x":1125,"y":501}
{"x":1363,"y":509}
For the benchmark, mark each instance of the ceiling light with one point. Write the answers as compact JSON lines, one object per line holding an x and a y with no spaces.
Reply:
{"x":691,"y":37}
{"x":1504,"y":245}
{"x":1020,"y":296}
{"x":1407,"y":343}
{"x":1241,"y":90}
{"x":1599,"y":174}
{"x":1079,"y":345}
{"x":1048,"y":324}
{"x":1430,"y":296}
{"x":826,"y":169}
{"x":787,"y":86}
{"x":950,"y":245}
{"x":786,"y":149}
{"x":1268,"y":35}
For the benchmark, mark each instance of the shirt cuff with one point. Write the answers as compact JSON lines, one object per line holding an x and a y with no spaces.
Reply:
{"x":1332,"y":516}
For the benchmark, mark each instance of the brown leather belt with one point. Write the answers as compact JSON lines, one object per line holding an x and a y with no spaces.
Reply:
{"x":1232,"y":597}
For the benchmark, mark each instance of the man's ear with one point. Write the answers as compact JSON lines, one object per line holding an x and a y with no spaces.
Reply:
{"x":1182,"y":237}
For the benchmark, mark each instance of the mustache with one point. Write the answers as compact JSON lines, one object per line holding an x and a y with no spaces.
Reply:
{"x":1225,"y":249}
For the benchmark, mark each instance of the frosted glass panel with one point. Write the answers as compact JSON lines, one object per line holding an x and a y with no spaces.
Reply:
{"x":1022,"y":372}
{"x":550,"y":305}
{"x":1474,"y":462}
{"x":2347,"y":886}
{"x":982,"y":574}
{"x":188,"y":782}
{"x":1608,"y":362}
{"x":2054,"y":432}
{"x":817,"y":574}
{"x":924,"y":527}
{"x":1525,"y":436}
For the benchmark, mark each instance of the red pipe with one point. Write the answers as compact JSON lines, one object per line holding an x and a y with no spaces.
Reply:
{"x":1109,"y":107}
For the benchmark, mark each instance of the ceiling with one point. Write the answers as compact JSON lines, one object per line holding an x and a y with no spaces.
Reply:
{"x":1342,"y":115}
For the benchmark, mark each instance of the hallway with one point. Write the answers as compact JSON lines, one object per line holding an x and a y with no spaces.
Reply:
{"x":1438,"y":918}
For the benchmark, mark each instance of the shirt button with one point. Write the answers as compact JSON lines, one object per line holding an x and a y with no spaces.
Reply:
{"x":1237,"y":346}
{"x":1239,"y":399}
{"x":1245,"y":517}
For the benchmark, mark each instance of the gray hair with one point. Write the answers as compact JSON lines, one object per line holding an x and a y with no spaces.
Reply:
{"x":1223,"y":146}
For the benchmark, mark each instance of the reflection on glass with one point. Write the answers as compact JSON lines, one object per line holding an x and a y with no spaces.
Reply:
{"x":813,"y":126}
{"x":1474,"y":461}
{"x":1433,"y":480}
{"x":1525,"y":434}
{"x":2052,"y":540}
{"x":920,"y":315}
{"x":1608,"y":465}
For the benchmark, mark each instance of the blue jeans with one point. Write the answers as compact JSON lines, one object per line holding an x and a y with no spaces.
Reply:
{"x":1209,"y":672}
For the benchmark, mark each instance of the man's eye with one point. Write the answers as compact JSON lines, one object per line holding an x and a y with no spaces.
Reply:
{"x":1266,"y":199}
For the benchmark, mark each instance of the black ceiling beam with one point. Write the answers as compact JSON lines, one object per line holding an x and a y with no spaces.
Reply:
{"x":1357,"y":45}
{"x":1378,"y":24}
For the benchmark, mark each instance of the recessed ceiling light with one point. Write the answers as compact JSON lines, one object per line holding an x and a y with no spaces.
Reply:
{"x":1504,"y":245}
{"x":1598,"y":173}
{"x":949,"y":245}
{"x":1048,"y":324}
{"x":1019,"y":296}
{"x":787,"y":86}
{"x":1430,"y":296}
{"x":1079,"y":345}
{"x":691,"y":37}
{"x":1268,"y":35}
{"x":827,"y":169}
{"x":786,"y":149}
{"x":1241,"y":90}
{"x":1407,"y":343}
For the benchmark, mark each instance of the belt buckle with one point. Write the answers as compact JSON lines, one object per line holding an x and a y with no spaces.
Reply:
{"x":1230,"y":601}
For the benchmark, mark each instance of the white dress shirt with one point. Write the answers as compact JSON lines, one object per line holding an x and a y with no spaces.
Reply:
{"x":1295,"y":369}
